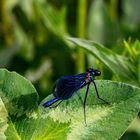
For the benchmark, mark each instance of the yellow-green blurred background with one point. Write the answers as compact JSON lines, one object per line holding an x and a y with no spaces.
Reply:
{"x":32,"y":39}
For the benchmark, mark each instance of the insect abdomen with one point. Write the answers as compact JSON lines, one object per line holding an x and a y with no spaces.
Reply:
{"x":50,"y":102}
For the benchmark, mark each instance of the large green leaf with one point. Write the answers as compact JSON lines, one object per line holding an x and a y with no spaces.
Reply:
{"x":18,"y":94}
{"x":103,"y":121}
{"x":120,"y":65}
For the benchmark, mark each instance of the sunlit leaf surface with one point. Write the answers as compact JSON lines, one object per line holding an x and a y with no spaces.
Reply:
{"x":103,"y":121}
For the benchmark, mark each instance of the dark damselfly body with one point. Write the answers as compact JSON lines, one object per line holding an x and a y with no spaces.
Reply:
{"x":66,"y":86}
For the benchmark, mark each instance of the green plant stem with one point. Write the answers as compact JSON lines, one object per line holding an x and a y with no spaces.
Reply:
{"x":113,"y":9}
{"x":5,"y":22}
{"x":82,"y":8}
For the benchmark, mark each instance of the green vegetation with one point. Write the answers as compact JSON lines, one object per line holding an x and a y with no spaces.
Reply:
{"x":26,"y":121}
{"x":43,"y":40}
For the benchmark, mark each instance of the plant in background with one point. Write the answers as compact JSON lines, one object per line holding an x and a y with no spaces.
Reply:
{"x":34,"y":41}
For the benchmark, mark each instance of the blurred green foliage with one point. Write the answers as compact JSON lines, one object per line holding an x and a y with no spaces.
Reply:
{"x":34,"y":43}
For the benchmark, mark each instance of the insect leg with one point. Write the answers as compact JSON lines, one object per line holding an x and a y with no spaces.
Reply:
{"x":85,"y":102}
{"x":98,"y":93}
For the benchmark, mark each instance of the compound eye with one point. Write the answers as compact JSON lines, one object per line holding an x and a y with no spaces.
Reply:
{"x":98,"y":73}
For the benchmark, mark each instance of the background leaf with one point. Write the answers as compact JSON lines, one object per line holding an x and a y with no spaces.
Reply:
{"x":101,"y":26}
{"x":18,"y":94}
{"x":7,"y":54}
{"x":131,"y":18}
{"x":111,"y":59}
{"x":52,"y":18}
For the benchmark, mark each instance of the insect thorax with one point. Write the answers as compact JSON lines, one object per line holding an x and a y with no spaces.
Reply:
{"x":89,"y":78}
{"x":92,"y":78}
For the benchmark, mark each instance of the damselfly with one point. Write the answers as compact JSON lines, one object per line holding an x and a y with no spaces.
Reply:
{"x":66,"y":86}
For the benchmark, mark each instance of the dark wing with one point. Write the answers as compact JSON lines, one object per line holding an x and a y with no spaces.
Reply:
{"x":67,"y":85}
